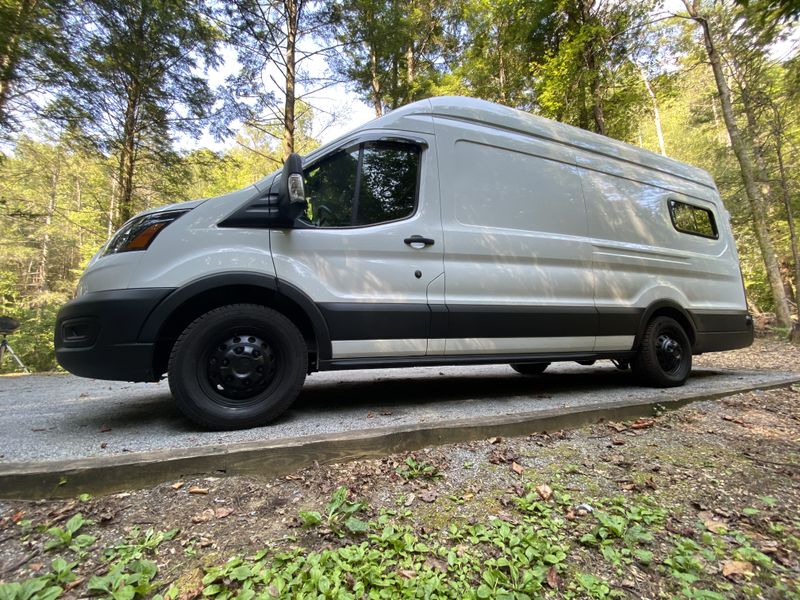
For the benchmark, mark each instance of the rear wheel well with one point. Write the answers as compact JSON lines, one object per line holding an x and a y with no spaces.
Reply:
{"x":673,"y":313}
{"x":208,"y":300}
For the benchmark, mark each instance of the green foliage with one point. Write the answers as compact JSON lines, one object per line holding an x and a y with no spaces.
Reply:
{"x":413,"y":469}
{"x":126,"y":582}
{"x":38,"y":588}
{"x":340,"y":515}
{"x":137,"y":545}
{"x":68,"y":537}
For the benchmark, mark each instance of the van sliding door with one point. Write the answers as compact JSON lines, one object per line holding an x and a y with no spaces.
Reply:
{"x":517,"y":262}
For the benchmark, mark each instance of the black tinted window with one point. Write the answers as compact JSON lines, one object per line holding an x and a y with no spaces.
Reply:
{"x":330,"y":186}
{"x":386,"y":189}
{"x":688,"y":218}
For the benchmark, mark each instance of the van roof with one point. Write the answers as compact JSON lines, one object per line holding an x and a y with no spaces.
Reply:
{"x":503,"y":117}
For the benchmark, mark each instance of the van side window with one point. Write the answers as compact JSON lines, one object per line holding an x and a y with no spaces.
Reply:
{"x":694,"y":220}
{"x":373,"y":183}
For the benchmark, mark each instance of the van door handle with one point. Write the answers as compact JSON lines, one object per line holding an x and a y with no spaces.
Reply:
{"x":418,"y":239}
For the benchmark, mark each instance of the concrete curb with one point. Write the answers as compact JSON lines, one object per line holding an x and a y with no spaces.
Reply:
{"x":64,"y":479}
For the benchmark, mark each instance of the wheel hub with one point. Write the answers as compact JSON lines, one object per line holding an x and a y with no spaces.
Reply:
{"x":241,"y":366}
{"x":669,"y":353}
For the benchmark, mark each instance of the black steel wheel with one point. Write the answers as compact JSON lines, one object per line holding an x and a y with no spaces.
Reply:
{"x":237,"y":366}
{"x":530,"y":368}
{"x":665,"y":354}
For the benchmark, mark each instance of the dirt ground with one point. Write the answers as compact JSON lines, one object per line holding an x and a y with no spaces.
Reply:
{"x":701,"y":502}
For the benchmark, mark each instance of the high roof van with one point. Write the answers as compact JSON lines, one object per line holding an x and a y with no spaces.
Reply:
{"x":450,"y":231}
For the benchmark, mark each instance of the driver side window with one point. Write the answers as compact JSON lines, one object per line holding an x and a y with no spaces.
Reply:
{"x":375,"y":182}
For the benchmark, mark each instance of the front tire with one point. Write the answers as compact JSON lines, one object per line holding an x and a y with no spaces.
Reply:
{"x":530,"y":368}
{"x":665,"y":354}
{"x":237,"y":366}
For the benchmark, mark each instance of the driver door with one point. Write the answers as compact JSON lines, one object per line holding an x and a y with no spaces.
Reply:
{"x":357,"y":257}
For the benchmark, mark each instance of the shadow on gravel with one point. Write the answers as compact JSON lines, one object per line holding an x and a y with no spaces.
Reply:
{"x":142,"y":411}
{"x":159,"y":412}
{"x":443,"y":388}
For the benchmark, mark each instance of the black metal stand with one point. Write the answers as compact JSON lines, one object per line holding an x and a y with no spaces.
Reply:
{"x":5,"y":347}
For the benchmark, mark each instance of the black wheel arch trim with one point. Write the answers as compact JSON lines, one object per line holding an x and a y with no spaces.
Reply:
{"x":658,"y":305}
{"x":152,"y":326}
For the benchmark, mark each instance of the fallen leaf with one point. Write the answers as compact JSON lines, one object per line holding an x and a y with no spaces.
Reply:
{"x":715,"y":526}
{"x":643,"y":423}
{"x":104,"y":445}
{"x":177,"y":485}
{"x":222,"y":512}
{"x":73,"y":584}
{"x":570,"y":516}
{"x":468,"y":496}
{"x":428,"y":496}
{"x":552,"y":577}
{"x":433,"y":562}
{"x":197,"y":490}
{"x":407,"y":573}
{"x":517,"y":468}
{"x":617,"y":442}
{"x":17,"y":516}
{"x":409,"y":500}
{"x":205,"y":542}
{"x":105,"y":429}
{"x":36,"y":567}
{"x":122,"y":495}
{"x":736,"y":567}
{"x":495,"y":440}
{"x":618,"y":427}
{"x":545,"y":491}
{"x":204,"y":517}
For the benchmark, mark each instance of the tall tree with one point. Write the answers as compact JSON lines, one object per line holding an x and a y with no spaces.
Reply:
{"x":585,"y":77}
{"x":743,"y":149}
{"x":391,"y":52}
{"x":142,"y":83}
{"x":275,"y":40}
{"x":35,"y":41}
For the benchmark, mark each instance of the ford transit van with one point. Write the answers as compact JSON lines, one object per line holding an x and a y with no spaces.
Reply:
{"x":449,"y":231}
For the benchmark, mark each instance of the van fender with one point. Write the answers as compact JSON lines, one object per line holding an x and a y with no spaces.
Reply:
{"x":669,"y":308}
{"x":269,"y":283}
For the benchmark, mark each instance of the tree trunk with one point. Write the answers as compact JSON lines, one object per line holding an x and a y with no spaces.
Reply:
{"x":785,"y":195}
{"x":127,"y":158}
{"x":501,"y":66}
{"x":44,"y":252}
{"x":656,"y":113}
{"x":410,"y":66}
{"x":376,"y":82}
{"x":743,"y":152}
{"x":293,"y":8}
{"x":9,"y":53}
{"x":112,"y":208}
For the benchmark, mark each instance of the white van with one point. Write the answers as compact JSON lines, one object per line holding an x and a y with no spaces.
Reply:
{"x":450,"y":231}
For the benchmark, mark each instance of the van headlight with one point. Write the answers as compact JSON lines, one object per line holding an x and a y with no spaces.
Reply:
{"x":139,"y":232}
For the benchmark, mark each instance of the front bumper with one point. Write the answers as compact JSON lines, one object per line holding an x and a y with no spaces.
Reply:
{"x":97,"y":335}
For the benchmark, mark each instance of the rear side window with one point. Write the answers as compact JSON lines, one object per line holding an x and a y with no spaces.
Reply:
{"x":373,"y":183}
{"x":693,"y":220}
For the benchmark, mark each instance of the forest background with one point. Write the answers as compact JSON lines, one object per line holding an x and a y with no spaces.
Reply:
{"x":109,"y":107}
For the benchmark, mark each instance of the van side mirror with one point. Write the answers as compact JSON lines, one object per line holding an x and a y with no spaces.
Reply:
{"x":291,"y":194}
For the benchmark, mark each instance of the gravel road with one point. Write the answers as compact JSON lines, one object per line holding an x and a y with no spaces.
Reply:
{"x":55,"y":417}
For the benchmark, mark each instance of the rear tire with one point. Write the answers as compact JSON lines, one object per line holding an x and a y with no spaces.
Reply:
{"x":529,"y":368}
{"x":665,"y":354}
{"x":237,"y":366}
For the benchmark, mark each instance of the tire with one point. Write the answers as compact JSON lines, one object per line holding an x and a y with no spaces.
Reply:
{"x":529,"y":368}
{"x":665,"y":355}
{"x":237,"y":366}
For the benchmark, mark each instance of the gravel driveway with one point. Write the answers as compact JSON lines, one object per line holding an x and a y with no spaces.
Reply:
{"x":55,"y":417}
